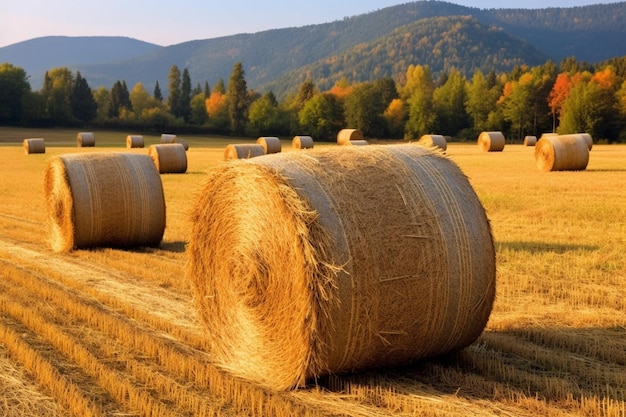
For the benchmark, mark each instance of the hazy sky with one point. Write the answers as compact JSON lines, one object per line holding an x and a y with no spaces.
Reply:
{"x":185,"y":20}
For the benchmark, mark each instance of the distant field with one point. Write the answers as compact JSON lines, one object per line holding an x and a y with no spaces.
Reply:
{"x":113,"y":332}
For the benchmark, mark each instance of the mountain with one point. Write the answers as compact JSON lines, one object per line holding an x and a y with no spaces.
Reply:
{"x":381,"y":43}
{"x":38,"y":55}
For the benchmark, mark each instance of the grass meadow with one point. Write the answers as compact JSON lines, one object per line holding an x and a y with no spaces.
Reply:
{"x":108,"y":332}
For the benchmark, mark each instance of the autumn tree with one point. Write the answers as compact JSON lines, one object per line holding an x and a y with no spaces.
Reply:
{"x":237,"y":100}
{"x":198,"y":113}
{"x":418,"y":91}
{"x":449,"y":104}
{"x":14,"y":88}
{"x":482,"y":95}
{"x":58,"y":85}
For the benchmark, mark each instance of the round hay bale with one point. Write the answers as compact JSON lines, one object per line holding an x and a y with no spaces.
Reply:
{"x":85,"y":139}
{"x":530,"y":140}
{"x":34,"y":145}
{"x":297,"y":275}
{"x":347,"y":135}
{"x":134,"y":141}
{"x":436,"y":141}
{"x":562,"y":153}
{"x":169,"y":158}
{"x":167,"y":138}
{"x":491,"y":141}
{"x":104,"y":199}
{"x":302,"y":142}
{"x":588,"y":139}
{"x":270,"y":144}
{"x":243,"y":151}
{"x":182,"y":142}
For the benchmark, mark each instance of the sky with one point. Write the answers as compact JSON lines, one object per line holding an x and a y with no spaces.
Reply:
{"x":168,"y":23}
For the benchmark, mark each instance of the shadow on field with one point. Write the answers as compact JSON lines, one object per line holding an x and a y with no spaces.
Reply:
{"x":178,"y":247}
{"x":537,"y":247}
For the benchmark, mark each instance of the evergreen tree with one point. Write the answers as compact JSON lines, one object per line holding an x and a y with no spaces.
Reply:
{"x":119,"y":99}
{"x":207,"y":90}
{"x":14,"y":89}
{"x":173,"y":98}
{"x":305,"y":93}
{"x":157,"y":92}
{"x":58,"y":85}
{"x":237,"y":100}
{"x":84,"y":106}
{"x":185,"y":96}
{"x":219,"y":87}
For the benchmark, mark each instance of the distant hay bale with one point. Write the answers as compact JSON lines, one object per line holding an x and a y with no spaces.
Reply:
{"x":530,"y":140}
{"x":346,"y":135}
{"x":270,"y":144}
{"x":562,"y":153}
{"x":167,"y":138}
{"x":430,"y":141}
{"x":34,"y":145}
{"x":491,"y":141}
{"x":85,"y":139}
{"x":297,"y":275}
{"x":588,"y":139}
{"x":182,"y":142}
{"x":243,"y":151}
{"x":103,"y":199}
{"x":302,"y":142}
{"x":134,"y":141}
{"x":169,"y":158}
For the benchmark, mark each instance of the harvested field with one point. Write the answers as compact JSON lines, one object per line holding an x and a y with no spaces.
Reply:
{"x":105,"y":332}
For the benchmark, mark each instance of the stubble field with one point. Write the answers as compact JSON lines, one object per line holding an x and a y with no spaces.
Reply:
{"x":109,"y":332}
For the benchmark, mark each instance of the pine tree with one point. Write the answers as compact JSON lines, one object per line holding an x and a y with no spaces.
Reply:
{"x":173,"y":98}
{"x":84,"y":106}
{"x":157,"y":92}
{"x":185,"y":96}
{"x":237,"y":100}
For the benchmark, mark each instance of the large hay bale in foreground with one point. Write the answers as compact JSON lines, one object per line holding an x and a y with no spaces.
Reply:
{"x":436,"y":141}
{"x":302,"y":142}
{"x":562,"y":153}
{"x":346,"y":135}
{"x":34,"y":145}
{"x":169,"y":158}
{"x":297,"y":275}
{"x":168,"y":138}
{"x":270,"y":144}
{"x":85,"y":139}
{"x":243,"y":151}
{"x":530,"y":140}
{"x":104,"y":199}
{"x":134,"y":141}
{"x":491,"y":141}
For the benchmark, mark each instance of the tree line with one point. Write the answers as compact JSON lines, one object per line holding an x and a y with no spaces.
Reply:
{"x":568,"y":98}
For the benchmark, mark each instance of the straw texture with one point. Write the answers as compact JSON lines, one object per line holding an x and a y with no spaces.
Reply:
{"x":346,"y":135}
{"x":134,"y":141}
{"x":430,"y":141}
{"x":34,"y":145}
{"x":302,"y":142}
{"x":169,"y":158}
{"x":85,"y":139}
{"x":270,"y":144}
{"x":562,"y":153}
{"x":491,"y":141}
{"x":103,"y":199}
{"x":355,"y":143}
{"x":297,"y":273}
{"x":530,"y":140}
{"x":243,"y":151}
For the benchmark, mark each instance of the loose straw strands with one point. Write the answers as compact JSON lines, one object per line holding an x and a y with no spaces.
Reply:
{"x":562,"y":153}
{"x":302,"y":142}
{"x":169,"y":158}
{"x":134,"y":141}
{"x":270,"y":144}
{"x":34,"y":145}
{"x":85,"y":140}
{"x":243,"y":151}
{"x":297,"y":275}
{"x":104,"y":199}
{"x":491,"y":141}
{"x":346,"y":135}
{"x":433,"y":141}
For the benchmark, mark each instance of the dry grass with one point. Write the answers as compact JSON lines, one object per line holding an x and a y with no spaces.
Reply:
{"x":555,"y":344}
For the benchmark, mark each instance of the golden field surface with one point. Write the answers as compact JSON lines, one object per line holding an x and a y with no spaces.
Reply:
{"x":107,"y":332}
